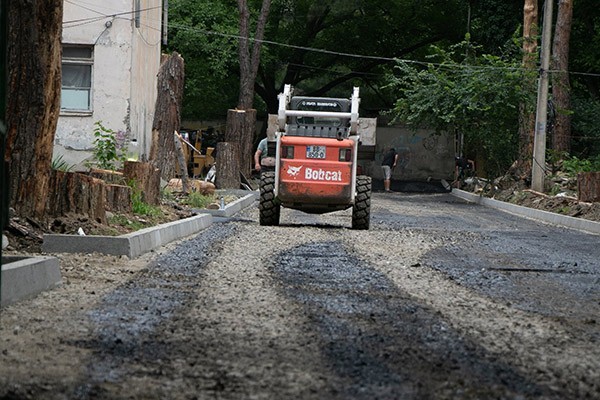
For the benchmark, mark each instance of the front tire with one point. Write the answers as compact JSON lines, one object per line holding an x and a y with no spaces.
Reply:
{"x":269,"y":208}
{"x":361,"y":210}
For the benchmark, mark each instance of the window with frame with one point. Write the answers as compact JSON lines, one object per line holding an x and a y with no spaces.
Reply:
{"x":76,"y":94}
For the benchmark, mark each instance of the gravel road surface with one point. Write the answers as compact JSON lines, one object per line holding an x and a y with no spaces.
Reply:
{"x":440,"y":299}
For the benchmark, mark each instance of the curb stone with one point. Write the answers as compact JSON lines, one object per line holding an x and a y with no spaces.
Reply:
{"x":531,"y":213}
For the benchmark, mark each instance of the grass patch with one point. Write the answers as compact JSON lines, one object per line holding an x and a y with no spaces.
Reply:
{"x":198,"y":200}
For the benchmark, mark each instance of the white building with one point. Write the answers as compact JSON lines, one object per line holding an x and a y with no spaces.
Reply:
{"x":111,"y":57}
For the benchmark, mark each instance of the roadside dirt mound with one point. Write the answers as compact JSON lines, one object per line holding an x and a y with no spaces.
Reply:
{"x":564,"y":202}
{"x":25,"y":235}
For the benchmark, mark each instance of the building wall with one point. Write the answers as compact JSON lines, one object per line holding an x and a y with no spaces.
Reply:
{"x":145,"y":63}
{"x":126,"y":61}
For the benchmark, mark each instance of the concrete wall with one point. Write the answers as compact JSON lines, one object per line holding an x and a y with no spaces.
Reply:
{"x":126,"y":61}
{"x":422,"y":154}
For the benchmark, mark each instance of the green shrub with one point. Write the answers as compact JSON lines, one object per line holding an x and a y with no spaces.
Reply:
{"x":574,"y":165}
{"x":107,"y":150}
{"x":59,"y":164}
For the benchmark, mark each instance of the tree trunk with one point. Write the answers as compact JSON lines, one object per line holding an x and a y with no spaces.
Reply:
{"x":71,"y":192}
{"x":167,"y":115}
{"x":243,"y":131}
{"x":588,"y":186}
{"x":561,"y":88}
{"x":144,"y":177}
{"x":118,"y":198}
{"x":527,"y":113}
{"x":241,"y":125}
{"x":33,"y":104}
{"x":228,"y":171}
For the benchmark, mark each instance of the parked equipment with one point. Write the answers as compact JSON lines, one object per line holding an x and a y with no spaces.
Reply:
{"x":315,"y":149}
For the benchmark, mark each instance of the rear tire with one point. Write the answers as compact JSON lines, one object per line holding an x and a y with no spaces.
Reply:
{"x":269,"y":208}
{"x":361,"y":210}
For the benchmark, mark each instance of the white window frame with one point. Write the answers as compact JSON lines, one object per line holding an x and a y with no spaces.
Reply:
{"x":85,"y":62}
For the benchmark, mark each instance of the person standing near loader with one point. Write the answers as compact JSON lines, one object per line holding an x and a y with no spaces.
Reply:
{"x":260,"y":154}
{"x":390,"y":159}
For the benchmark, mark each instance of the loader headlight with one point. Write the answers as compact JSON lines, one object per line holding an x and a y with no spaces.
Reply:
{"x":287,"y":151}
{"x":345,"y":154}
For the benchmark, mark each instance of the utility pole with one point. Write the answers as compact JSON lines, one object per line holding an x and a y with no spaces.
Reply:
{"x":538,"y":169}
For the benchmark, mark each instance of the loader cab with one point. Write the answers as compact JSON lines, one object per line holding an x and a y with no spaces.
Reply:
{"x":321,"y":126}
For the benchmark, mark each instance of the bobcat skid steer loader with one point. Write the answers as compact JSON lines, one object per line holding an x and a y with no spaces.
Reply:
{"x":315,"y":160}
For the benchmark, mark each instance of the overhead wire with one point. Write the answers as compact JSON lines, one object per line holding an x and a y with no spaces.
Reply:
{"x":310,"y":49}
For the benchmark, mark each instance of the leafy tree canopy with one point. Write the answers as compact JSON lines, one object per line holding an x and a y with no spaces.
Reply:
{"x":307,"y":43}
{"x":461,"y":91}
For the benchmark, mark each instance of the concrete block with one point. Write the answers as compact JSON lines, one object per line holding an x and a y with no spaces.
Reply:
{"x":132,"y":244}
{"x":235,"y":206}
{"x":25,"y":277}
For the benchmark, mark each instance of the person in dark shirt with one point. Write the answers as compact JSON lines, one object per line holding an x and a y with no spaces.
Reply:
{"x":390,"y":159}
{"x":463,"y":166}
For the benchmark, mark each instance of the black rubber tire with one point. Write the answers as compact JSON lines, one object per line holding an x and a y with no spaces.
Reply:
{"x":269,"y":208}
{"x":361,"y":210}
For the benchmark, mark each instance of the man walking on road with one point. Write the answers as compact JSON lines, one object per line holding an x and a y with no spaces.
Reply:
{"x":390,"y":159}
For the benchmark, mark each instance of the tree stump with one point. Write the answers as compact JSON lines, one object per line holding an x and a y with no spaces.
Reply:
{"x":241,"y":125}
{"x":76,"y":193}
{"x":228,"y":169}
{"x":108,"y":176}
{"x":588,"y":186}
{"x":118,"y":198}
{"x":167,"y":118}
{"x":145,"y":178}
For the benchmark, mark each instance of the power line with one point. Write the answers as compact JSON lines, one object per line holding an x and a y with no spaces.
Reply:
{"x":313,"y":49}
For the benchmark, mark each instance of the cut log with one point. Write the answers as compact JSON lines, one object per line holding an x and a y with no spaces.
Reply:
{"x":202,"y":187}
{"x":588,"y":186}
{"x":72,"y":192}
{"x":145,"y":178}
{"x":228,"y":167}
{"x":181,"y":162}
{"x":118,"y":198}
{"x":108,"y":176}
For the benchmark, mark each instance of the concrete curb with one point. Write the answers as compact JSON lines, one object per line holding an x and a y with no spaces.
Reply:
{"x":132,"y":244}
{"x":544,"y":216}
{"x":137,"y":243}
{"x":24,"y":277}
{"x":234,"y":206}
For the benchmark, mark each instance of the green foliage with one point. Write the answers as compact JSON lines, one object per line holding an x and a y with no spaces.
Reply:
{"x":462,"y":91}
{"x":59,"y":164}
{"x":205,"y":33}
{"x":574,"y":165}
{"x":107,"y":151}
{"x":585,"y":123}
{"x":138,"y":205}
{"x":198,"y":200}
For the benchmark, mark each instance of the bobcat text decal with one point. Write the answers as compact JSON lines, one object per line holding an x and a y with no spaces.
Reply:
{"x":322,"y":175}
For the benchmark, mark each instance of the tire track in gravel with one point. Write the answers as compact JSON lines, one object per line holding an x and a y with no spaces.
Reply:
{"x":128,"y":323}
{"x":381,"y":342}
